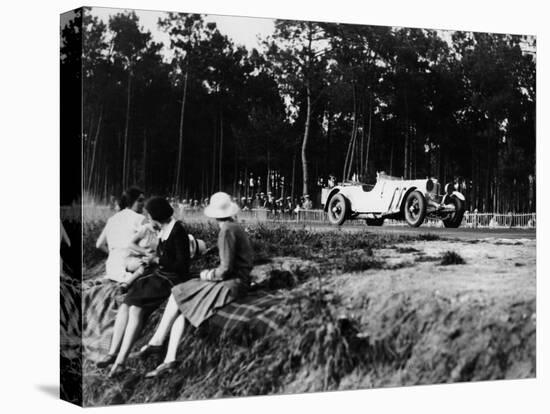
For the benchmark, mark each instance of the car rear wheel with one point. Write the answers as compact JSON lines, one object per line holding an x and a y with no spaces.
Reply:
{"x":338,"y":209}
{"x":415,"y":209}
{"x":455,"y":219}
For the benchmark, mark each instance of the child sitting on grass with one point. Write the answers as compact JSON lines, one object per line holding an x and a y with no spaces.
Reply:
{"x":143,"y":248}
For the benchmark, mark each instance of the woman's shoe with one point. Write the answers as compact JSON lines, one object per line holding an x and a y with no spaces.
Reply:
{"x":163,"y":368}
{"x":117,"y":370}
{"x":106,"y":361}
{"x":147,"y":350}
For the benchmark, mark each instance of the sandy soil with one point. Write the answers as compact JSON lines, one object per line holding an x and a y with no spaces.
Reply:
{"x":495,"y":268}
{"x":468,"y":322}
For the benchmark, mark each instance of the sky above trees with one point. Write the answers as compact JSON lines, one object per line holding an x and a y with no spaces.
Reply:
{"x":242,"y":30}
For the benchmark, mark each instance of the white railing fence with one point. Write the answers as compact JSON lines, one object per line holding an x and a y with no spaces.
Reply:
{"x":94,"y":213}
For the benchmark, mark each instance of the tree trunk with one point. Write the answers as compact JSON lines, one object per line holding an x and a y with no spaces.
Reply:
{"x":352,"y":154}
{"x":94,"y":150}
{"x":127,"y":123}
{"x":328,"y":158}
{"x":221,"y":153}
{"x":144,"y":161}
{"x":236,"y":186}
{"x":268,"y":174}
{"x":214,"y":150}
{"x":412,"y":156}
{"x":304,"y":142}
{"x":406,"y":146}
{"x":293,"y":174}
{"x":391,"y":156}
{"x":180,"y":144}
{"x":349,"y":154}
{"x":368,"y":136}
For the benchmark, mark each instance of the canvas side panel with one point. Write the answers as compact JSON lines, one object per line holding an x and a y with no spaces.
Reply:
{"x":71,"y":206}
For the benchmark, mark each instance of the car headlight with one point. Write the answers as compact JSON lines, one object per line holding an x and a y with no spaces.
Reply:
{"x":430,"y":185}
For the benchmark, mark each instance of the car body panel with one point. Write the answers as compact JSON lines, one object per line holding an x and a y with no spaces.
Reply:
{"x":387,"y":196}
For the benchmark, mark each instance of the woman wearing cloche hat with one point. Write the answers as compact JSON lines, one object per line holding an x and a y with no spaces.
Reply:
{"x":198,"y":299}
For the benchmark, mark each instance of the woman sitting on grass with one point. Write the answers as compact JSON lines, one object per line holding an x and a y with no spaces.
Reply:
{"x":119,"y":231}
{"x":151,"y":290}
{"x":196,"y":300}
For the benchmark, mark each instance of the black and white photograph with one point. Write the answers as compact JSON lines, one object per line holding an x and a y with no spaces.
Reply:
{"x":273,"y":206}
{"x":269,"y":206}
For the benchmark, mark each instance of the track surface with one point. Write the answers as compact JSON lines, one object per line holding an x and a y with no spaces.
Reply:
{"x":460,"y":233}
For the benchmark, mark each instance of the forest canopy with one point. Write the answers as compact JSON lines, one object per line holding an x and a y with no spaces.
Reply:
{"x":314,"y":99}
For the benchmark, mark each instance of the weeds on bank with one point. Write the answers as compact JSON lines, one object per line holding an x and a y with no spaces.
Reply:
{"x":339,"y":250}
{"x":451,"y":258}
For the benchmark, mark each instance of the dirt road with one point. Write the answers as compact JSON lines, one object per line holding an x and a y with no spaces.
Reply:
{"x":460,"y":233}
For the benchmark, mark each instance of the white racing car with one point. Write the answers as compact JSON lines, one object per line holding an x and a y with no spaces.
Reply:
{"x":393,"y":198}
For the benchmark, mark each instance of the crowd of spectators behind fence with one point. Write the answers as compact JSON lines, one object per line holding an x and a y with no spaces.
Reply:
{"x":287,"y":205}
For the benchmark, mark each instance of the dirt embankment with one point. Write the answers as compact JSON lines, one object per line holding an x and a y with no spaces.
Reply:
{"x":381,"y":313}
{"x":474,"y":321}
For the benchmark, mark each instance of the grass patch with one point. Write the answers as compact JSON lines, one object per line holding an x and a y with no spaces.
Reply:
{"x":212,"y":366}
{"x":406,"y":249}
{"x":425,"y":258}
{"x":337,"y":250}
{"x":451,"y":258}
{"x":427,"y":237}
{"x":357,"y":263}
{"x":400,"y":265}
{"x":321,"y":350}
{"x":506,"y":243}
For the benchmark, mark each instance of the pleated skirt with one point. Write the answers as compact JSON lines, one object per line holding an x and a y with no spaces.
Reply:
{"x":150,"y":291}
{"x":198,"y":300}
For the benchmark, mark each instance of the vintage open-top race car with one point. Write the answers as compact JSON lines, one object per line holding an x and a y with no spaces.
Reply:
{"x":393,"y":198}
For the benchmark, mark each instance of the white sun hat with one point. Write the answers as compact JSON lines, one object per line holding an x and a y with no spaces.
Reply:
{"x":197,"y":247}
{"x":221,"y":206}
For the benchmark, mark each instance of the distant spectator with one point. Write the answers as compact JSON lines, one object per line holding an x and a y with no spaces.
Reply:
{"x":113,"y":203}
{"x":256,"y":201}
{"x":269,"y":202}
{"x":289,"y":206}
{"x":307,"y":205}
{"x":320,"y":182}
{"x":279,"y":205}
{"x":475,"y":219}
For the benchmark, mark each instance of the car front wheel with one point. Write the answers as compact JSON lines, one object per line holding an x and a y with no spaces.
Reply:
{"x":455,"y":219}
{"x":338,"y":209}
{"x":415,"y":209}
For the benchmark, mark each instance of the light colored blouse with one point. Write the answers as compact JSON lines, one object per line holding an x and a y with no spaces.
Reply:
{"x":118,"y":233}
